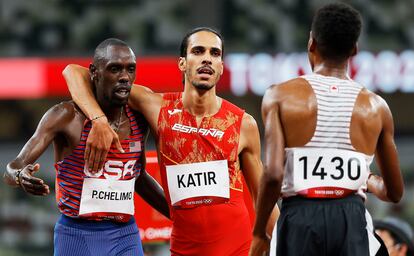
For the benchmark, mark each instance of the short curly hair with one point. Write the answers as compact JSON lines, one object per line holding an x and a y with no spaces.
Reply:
{"x":336,"y":29}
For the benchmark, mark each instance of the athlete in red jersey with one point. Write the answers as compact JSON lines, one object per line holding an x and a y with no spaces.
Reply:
{"x":204,"y":143}
{"x":191,"y":156}
{"x":97,"y":207}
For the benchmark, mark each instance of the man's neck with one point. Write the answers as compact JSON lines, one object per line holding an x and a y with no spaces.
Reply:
{"x":332,"y":68}
{"x":112,"y":113}
{"x":201,"y":103}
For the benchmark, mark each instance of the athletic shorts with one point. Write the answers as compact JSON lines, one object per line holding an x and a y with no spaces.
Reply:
{"x":96,"y":238}
{"x":322,"y":227}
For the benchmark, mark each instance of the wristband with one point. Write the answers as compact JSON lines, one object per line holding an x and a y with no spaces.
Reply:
{"x":97,"y":117}
{"x":17,"y":177}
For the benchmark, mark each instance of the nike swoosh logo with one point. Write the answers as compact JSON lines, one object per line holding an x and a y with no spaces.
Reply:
{"x":175,"y":111}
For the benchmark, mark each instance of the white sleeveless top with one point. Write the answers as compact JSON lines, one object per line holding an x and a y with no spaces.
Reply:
{"x":328,"y":166}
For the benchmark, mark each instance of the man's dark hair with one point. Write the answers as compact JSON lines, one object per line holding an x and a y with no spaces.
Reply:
{"x":100,"y":51}
{"x":336,"y":28}
{"x":184,"y":42}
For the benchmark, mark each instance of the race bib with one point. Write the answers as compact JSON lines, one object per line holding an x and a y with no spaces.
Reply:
{"x":328,"y":173}
{"x":197,"y":184}
{"x":107,"y":196}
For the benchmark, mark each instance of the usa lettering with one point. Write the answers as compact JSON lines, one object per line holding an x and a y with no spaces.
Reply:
{"x":205,"y":132}
{"x":115,"y":170}
{"x":196,"y":179}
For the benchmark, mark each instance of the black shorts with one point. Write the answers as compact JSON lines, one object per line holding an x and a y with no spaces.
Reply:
{"x":322,"y":227}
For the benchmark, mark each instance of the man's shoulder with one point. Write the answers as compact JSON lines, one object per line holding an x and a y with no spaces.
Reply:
{"x":138,"y":116}
{"x":249,"y":123}
{"x":171,"y":96}
{"x":288,"y":86}
{"x":368,"y":97}
{"x":297,"y":88}
{"x":232,"y":107}
{"x":66,"y":107}
{"x":65,"y":111}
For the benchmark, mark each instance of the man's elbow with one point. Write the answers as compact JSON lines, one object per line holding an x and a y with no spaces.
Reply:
{"x":274,"y":176}
{"x":68,"y":70}
{"x":395,"y":196}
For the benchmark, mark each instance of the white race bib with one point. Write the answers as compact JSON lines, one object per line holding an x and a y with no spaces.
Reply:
{"x":107,"y":195}
{"x":332,"y":173}
{"x":195,"y":184}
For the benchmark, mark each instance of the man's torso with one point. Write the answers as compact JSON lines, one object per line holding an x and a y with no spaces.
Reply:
{"x":202,"y":178}
{"x":331,"y":128}
{"x":109,"y":193}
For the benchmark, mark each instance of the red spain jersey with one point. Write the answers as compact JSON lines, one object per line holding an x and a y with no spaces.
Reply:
{"x":202,"y":179}
{"x":71,"y":173}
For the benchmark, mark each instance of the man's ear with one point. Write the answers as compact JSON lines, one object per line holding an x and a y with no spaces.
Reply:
{"x":311,"y":43}
{"x":182,"y":64}
{"x":92,"y":71}
{"x":403,"y":249}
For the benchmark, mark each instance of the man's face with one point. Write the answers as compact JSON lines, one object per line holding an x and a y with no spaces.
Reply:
{"x":393,"y":248}
{"x":203,"y":64}
{"x":114,"y":76}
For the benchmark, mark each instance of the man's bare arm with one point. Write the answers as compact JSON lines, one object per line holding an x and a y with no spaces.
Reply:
{"x":273,"y":171}
{"x":80,"y":86}
{"x":376,"y":186}
{"x":149,"y":189}
{"x":252,"y":167}
{"x":24,"y":164}
{"x":392,"y":186}
{"x":102,"y":135}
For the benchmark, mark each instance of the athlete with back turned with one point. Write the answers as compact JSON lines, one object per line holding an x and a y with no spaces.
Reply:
{"x":322,"y":131}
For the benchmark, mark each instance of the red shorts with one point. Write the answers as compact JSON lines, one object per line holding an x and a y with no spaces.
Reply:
{"x":219,"y":230}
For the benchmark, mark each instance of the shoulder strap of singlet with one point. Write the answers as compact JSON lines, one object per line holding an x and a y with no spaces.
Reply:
{"x":233,"y":108}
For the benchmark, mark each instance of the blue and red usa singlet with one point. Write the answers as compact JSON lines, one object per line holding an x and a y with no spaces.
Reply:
{"x":120,"y":167}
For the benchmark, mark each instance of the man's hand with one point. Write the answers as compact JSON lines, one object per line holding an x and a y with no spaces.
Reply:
{"x":376,"y":186}
{"x":260,"y":246}
{"x":98,"y":144}
{"x":31,"y":184}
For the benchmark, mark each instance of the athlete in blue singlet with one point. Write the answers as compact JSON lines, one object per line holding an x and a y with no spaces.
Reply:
{"x":97,"y":208}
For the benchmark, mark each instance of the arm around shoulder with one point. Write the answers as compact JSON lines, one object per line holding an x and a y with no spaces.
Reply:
{"x":144,"y":100}
{"x":80,"y":87}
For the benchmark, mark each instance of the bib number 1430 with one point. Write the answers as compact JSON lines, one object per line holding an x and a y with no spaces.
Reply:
{"x":350,"y":169}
